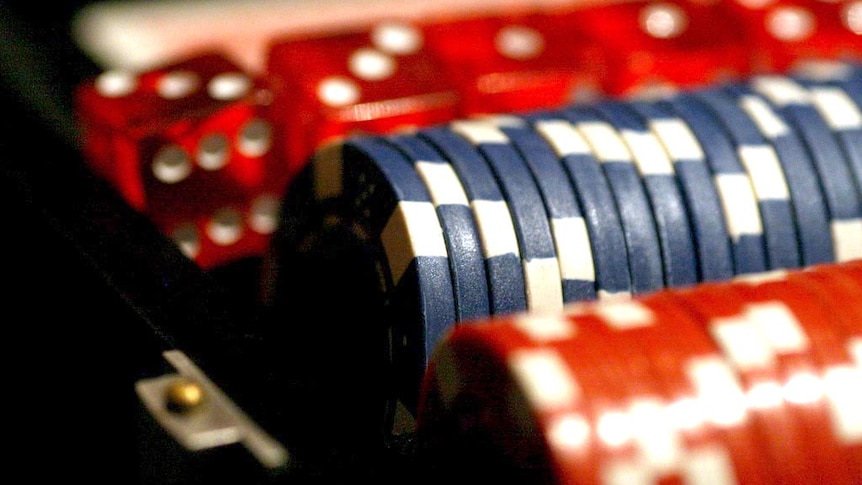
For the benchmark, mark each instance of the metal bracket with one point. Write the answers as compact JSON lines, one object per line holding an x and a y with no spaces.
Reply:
{"x":213,"y":420}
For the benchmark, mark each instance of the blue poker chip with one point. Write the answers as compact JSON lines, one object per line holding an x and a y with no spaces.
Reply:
{"x":806,"y":196}
{"x":709,"y":229}
{"x":837,"y":95}
{"x":761,"y":162}
{"x":541,"y":267}
{"x":360,"y":222}
{"x":679,"y":256}
{"x":595,"y":198}
{"x":842,"y":196}
{"x":505,"y":278}
{"x":741,"y":212}
{"x":568,"y":228}
{"x":642,"y":242}
{"x":466,"y":263}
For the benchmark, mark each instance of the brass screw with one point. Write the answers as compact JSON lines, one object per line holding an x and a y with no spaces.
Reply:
{"x":183,"y":395}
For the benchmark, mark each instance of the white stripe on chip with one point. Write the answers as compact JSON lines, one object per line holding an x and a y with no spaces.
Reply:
{"x":576,"y":263}
{"x":545,"y":379}
{"x":740,"y":205}
{"x":767,"y":176}
{"x":443,"y":183}
{"x":495,"y":228}
{"x":414,"y":224}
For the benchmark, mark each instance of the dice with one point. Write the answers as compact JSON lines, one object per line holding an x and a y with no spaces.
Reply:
{"x":788,"y":32}
{"x":189,"y":145}
{"x":330,"y":85}
{"x":516,"y":63}
{"x":654,"y":45}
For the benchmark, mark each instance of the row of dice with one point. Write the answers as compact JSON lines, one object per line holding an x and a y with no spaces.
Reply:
{"x":206,"y":150}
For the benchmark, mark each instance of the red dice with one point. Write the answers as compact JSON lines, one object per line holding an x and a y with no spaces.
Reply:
{"x":787,"y":32}
{"x":655,"y":44}
{"x":375,"y":81}
{"x":516,"y":63}
{"x":189,"y":145}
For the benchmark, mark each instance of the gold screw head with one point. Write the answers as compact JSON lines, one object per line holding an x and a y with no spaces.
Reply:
{"x":183,"y":395}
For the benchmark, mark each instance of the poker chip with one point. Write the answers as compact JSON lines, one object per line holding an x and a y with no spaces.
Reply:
{"x":843,"y":199}
{"x":801,"y":325}
{"x":635,"y":437}
{"x":806,"y":196}
{"x":469,"y":429}
{"x":709,"y":229}
{"x":706,"y":407}
{"x":658,"y":176}
{"x":841,"y":111}
{"x":744,"y":225}
{"x":745,"y":381}
{"x":493,"y":220}
{"x":541,"y":267}
{"x":568,"y":228}
{"x":520,"y":214}
{"x":370,"y":192}
{"x":459,"y":229}
{"x":721,"y":310}
{"x":764,"y":169}
{"x":642,"y":243}
{"x":837,"y":289}
{"x":597,"y":203}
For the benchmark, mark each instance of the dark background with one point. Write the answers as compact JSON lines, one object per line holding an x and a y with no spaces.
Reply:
{"x":94,"y":294}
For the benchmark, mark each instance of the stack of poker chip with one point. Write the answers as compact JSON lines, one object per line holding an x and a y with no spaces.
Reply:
{"x":527,"y":212}
{"x":753,"y":381}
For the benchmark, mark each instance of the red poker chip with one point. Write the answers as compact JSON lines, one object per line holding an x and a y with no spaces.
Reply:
{"x":793,"y":317}
{"x":686,"y":355}
{"x":676,"y":347}
{"x":630,"y":416}
{"x":838,"y":292}
{"x":475,"y":418}
{"x":721,"y":310}
{"x":847,"y":290}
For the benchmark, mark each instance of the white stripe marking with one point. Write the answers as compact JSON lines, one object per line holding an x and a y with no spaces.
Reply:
{"x":574,"y":249}
{"x":625,"y":315}
{"x":413,"y":230}
{"x":496,"y":229}
{"x":606,"y":143}
{"x":563,"y":137}
{"x":844,"y":395}
{"x":443,"y":183}
{"x":545,"y":328}
{"x":765,"y":171}
{"x":847,"y":238}
{"x":545,"y":379}
{"x":771,"y":126}
{"x":655,"y":434}
{"x":628,"y":472}
{"x":779,"y":326}
{"x":479,"y":132}
{"x":648,"y":153}
{"x":569,"y":433}
{"x":679,"y":141}
{"x":708,"y":466}
{"x":740,"y":205}
{"x":718,"y":391}
{"x":544,"y":285}
{"x":780,"y":90}
{"x":837,"y":108}
{"x":742,"y":342}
